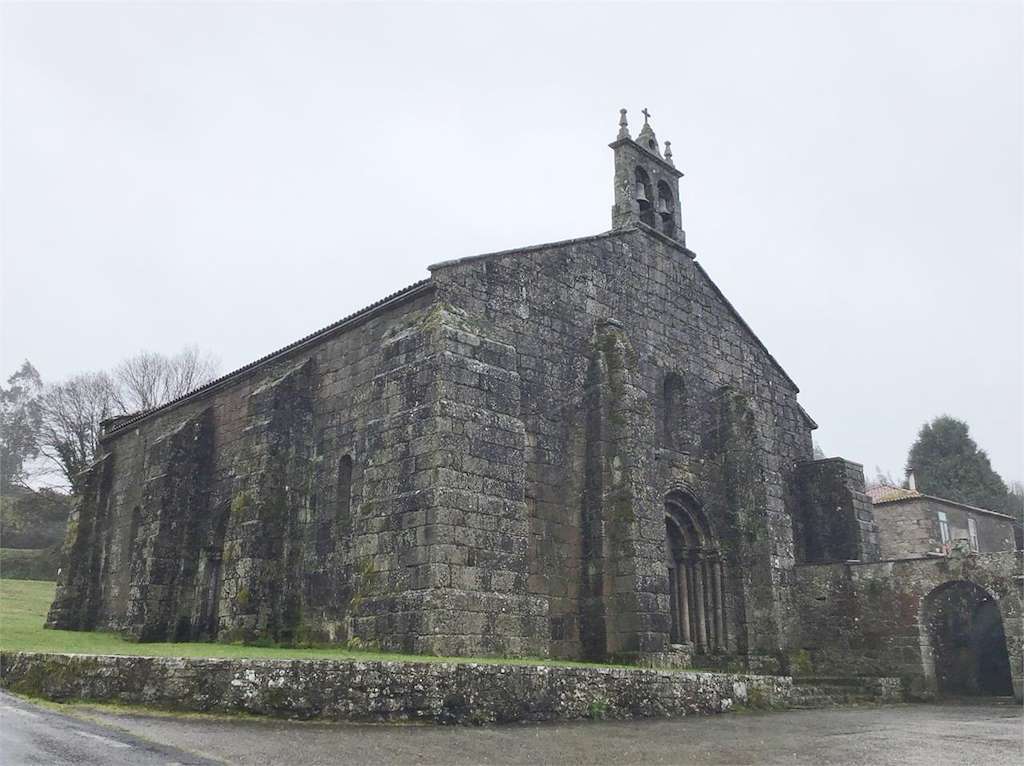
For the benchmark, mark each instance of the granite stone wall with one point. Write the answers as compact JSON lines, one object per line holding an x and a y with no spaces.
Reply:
{"x":599,"y":325}
{"x":479,"y":465}
{"x":834,"y":518}
{"x":239,"y":513}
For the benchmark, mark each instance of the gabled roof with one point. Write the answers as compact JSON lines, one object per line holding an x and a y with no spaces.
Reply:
{"x":345,"y":322}
{"x":413,"y":290}
{"x":650,"y":232}
{"x":883,"y":494}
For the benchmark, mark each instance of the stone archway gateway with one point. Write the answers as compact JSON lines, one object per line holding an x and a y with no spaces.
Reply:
{"x":696,"y":577}
{"x":964,"y":632}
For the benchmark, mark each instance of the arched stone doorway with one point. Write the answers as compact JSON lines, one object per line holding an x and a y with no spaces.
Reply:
{"x":964,"y":631}
{"x":696,"y":578}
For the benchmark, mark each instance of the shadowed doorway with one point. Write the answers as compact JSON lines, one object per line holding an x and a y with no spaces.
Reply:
{"x":968,"y":645}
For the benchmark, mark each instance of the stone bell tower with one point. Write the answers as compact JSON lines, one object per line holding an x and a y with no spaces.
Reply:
{"x":646,"y":183}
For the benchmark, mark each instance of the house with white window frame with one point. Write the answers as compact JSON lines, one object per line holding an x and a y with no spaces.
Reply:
{"x":912,"y":524}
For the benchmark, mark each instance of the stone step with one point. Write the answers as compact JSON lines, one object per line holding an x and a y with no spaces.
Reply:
{"x":831,"y":691}
{"x":832,"y":681}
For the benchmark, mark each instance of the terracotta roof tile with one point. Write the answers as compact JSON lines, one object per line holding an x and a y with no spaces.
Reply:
{"x":883,"y":493}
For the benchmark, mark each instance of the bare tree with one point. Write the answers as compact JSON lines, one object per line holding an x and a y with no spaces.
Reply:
{"x":72,"y":413}
{"x":138,"y":382}
{"x":148,"y":380}
{"x":189,"y":369}
{"x":885,"y":479}
{"x":74,"y":409}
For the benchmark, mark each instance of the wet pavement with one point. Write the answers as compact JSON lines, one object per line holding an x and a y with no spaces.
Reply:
{"x":30,"y":734}
{"x":978,"y":732}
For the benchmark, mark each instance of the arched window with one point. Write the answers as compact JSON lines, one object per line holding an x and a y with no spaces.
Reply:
{"x":212,"y":576}
{"x":674,"y":410}
{"x":133,"y":548}
{"x":666,"y":208}
{"x":696,"y":577}
{"x":343,"y":513}
{"x":644,"y":196}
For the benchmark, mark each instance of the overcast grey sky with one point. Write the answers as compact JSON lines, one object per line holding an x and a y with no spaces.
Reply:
{"x":236,"y":176}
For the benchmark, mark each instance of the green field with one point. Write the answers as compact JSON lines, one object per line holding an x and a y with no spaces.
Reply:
{"x":24,"y":603}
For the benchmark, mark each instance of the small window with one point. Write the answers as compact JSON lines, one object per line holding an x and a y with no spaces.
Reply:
{"x":674,"y":402}
{"x":943,"y":527}
{"x":343,"y":508}
{"x":972,"y":530}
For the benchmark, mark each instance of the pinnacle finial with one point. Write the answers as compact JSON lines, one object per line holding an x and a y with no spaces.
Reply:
{"x":623,"y":125}
{"x":668,"y":153}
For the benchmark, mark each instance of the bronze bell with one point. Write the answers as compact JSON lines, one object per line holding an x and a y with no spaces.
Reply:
{"x":641,"y":194}
{"x":663,"y":205}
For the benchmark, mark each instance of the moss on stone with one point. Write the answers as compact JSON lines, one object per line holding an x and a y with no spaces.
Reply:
{"x":239,"y":504}
{"x":799,"y":663}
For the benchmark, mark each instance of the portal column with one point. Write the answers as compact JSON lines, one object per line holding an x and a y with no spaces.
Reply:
{"x":723,"y":638}
{"x":709,"y":600}
{"x":674,"y":633}
{"x":683,"y":597}
{"x":698,"y":597}
{"x":716,"y":572}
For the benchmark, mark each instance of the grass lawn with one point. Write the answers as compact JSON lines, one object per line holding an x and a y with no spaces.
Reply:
{"x":24,"y":603}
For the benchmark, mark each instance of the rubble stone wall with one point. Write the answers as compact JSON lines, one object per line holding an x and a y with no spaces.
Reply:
{"x":910,"y":527}
{"x":348,"y":690}
{"x":872,"y":618}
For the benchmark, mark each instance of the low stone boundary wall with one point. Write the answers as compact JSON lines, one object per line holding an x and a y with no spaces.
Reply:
{"x":351,"y":690}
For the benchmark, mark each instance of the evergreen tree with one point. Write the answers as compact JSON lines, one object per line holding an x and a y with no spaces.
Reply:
{"x":947,"y":463}
{"x":20,"y":418}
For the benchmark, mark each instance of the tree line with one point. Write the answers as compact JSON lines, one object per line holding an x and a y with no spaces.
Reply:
{"x":54,"y":428}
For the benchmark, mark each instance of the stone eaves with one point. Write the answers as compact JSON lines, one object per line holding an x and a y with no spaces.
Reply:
{"x":344,"y":323}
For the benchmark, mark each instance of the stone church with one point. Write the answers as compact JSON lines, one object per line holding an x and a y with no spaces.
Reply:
{"x":578,"y":449}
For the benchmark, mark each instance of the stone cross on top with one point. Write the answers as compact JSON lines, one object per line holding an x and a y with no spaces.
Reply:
{"x":624,"y":130}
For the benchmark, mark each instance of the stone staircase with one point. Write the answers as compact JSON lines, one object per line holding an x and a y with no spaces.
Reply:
{"x":831,"y":691}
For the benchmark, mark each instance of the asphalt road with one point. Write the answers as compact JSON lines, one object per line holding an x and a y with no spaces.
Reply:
{"x":929,"y":735}
{"x":30,"y":734}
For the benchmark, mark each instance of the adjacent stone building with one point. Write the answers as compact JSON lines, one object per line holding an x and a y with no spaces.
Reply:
{"x":577,"y":449}
{"x":912,"y":524}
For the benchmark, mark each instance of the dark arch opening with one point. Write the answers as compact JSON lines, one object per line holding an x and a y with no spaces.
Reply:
{"x":211,"y":576}
{"x":666,"y":208}
{"x":674,"y":404}
{"x":696,"y":577}
{"x":131,"y":554}
{"x":968,"y":644}
{"x":343,"y":516}
{"x":644,"y":196}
